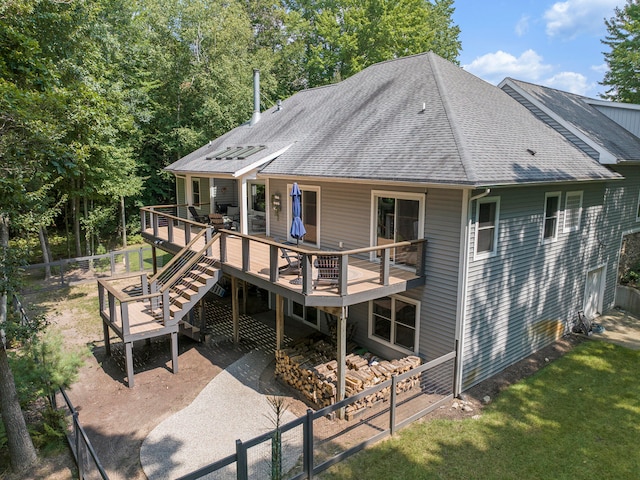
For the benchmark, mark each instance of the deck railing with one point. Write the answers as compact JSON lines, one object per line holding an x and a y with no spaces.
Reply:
{"x":409,"y":255}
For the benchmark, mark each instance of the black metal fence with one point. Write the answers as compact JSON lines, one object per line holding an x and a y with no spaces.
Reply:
{"x":311,"y":444}
{"x":89,"y":466}
{"x":70,"y":271}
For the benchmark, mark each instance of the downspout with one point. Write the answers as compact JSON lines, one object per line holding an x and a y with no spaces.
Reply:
{"x":255,"y":118}
{"x":462,"y":303}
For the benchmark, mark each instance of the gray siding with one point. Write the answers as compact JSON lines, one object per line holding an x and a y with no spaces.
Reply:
{"x":526,"y":296}
{"x":345,"y":217}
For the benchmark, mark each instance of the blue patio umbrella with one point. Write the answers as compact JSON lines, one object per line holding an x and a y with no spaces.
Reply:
{"x":297,"y":230}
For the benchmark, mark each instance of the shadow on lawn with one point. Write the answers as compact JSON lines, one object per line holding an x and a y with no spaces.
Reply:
{"x":578,"y":418}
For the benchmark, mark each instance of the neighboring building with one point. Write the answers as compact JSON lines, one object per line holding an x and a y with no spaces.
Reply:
{"x":522,"y":218}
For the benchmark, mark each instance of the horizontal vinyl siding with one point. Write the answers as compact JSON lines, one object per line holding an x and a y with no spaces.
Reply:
{"x":345,"y":217}
{"x":524,"y":297}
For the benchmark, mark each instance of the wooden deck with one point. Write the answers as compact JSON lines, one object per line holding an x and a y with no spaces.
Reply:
{"x":249,"y":258}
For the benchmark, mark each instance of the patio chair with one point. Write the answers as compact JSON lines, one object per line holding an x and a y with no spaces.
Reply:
{"x":196,"y":216}
{"x":216,"y":220}
{"x":293,"y":262}
{"x":328,"y":268}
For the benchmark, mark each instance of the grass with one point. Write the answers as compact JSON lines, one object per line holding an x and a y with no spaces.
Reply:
{"x":578,"y":418}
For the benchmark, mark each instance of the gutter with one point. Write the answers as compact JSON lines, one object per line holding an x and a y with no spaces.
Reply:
{"x":463,"y":289}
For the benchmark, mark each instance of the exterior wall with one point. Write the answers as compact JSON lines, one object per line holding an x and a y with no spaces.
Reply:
{"x":527,"y":295}
{"x":345,"y":216}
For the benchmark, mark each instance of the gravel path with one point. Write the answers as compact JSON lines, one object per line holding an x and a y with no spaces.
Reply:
{"x":228,"y":408}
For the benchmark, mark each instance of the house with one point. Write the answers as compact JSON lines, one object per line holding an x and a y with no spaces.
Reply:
{"x":465,"y":218}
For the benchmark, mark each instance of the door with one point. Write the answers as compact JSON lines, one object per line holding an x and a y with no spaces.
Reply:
{"x":594,"y":292}
{"x":398,"y":220}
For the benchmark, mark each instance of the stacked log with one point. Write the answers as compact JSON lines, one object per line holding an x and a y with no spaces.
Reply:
{"x":311,"y":368}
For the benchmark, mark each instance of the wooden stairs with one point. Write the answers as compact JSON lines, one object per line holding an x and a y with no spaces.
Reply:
{"x":162,"y":304}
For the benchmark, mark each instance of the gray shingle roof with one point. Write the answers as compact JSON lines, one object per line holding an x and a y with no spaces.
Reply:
{"x":372,"y":126}
{"x":592,"y":123}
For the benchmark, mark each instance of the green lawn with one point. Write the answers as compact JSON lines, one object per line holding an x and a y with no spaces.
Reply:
{"x":578,"y":418}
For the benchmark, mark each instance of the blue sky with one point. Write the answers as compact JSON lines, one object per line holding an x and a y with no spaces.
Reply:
{"x":552,"y":43}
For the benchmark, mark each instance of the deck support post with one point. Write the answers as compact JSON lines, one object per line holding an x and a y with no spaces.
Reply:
{"x":244,"y":296}
{"x":107,"y":341}
{"x":341,"y":357}
{"x":279,"y":321}
{"x":174,"y":352}
{"x":128,"y":348}
{"x":235,"y":315}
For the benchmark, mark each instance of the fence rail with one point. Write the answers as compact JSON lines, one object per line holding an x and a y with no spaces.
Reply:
{"x":89,"y":466}
{"x":313,"y":443}
{"x":70,"y":271}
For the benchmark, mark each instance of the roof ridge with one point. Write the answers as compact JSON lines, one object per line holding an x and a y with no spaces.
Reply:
{"x":461,"y":144}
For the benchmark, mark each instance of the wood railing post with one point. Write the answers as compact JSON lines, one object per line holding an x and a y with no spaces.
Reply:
{"x":246,"y":254}
{"x":384,"y":267}
{"x":143,"y":219}
{"x":187,"y":232}
{"x":307,"y":273}
{"x":124,"y":311}
{"x":170,"y":230}
{"x":344,"y":274}
{"x":223,"y":248}
{"x":155,"y":220}
{"x":274,"y":273}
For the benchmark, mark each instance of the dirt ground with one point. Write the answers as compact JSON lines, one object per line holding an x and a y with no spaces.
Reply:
{"x":117,"y":419}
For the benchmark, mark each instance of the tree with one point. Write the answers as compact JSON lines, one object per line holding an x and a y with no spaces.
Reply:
{"x":345,"y":36}
{"x":623,"y":59}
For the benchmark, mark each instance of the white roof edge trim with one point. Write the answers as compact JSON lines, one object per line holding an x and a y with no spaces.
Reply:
{"x":605,"y":156}
{"x":608,"y":103}
{"x":261,"y":162}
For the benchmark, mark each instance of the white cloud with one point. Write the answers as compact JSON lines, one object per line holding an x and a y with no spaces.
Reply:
{"x":571,"y":18}
{"x":493,"y":67}
{"x":601,"y":69}
{"x":522,"y":26}
{"x":570,"y":82}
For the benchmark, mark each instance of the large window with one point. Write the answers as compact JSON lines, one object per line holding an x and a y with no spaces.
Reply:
{"x":195,"y":191}
{"x":398,"y":217}
{"x":394,"y":321}
{"x":551,"y":213}
{"x":572,"y":211}
{"x":487,"y":218}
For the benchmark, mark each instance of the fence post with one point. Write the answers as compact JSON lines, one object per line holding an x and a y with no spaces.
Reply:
{"x":307,"y":445}
{"x":62,"y":274}
{"x":242,"y":470}
{"x":392,"y":409}
{"x":76,"y":433}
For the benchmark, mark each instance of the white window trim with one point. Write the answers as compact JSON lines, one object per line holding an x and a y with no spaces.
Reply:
{"x":302,"y":187}
{"x":638,"y":209}
{"x":420,"y":197}
{"x":492,"y":253}
{"x":392,"y":345}
{"x":304,"y":318}
{"x":565,"y":228}
{"x":195,"y":180}
{"x":554,"y":237}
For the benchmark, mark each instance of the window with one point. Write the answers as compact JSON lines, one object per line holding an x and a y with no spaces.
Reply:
{"x":487,"y":215}
{"x":572,"y":211}
{"x":195,"y":191}
{"x":551,"y":212}
{"x":394,"y":321}
{"x":309,"y":315}
{"x":397,"y":217}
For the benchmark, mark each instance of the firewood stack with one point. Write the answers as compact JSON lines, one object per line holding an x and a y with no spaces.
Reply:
{"x":311,"y":368}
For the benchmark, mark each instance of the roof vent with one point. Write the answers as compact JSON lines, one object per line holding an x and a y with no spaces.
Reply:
{"x":255,"y":118}
{"x":278,"y":105}
{"x":530,"y":151}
